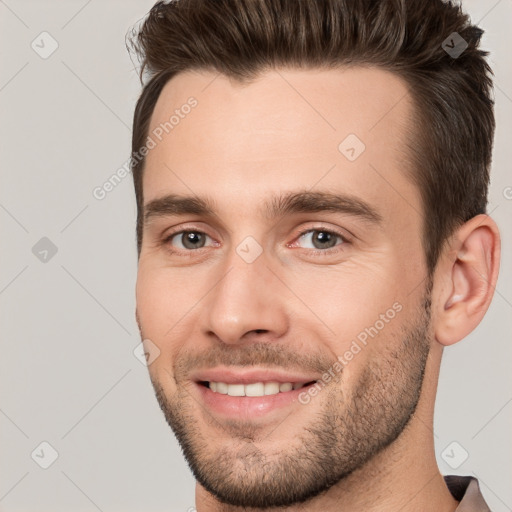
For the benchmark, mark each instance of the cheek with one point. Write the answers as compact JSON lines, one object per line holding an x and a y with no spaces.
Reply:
{"x":352,"y":294}
{"x":355,"y":308}
{"x":160,"y":302}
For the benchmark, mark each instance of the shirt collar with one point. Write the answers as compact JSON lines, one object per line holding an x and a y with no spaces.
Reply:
{"x":466,"y":490}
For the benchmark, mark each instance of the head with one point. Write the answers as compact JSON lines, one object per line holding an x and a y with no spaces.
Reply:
{"x":311,"y":183}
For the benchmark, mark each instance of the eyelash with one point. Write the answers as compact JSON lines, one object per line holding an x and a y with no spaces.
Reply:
{"x":317,"y":252}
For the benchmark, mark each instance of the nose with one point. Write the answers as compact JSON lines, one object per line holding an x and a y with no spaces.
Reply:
{"x":248,"y":298}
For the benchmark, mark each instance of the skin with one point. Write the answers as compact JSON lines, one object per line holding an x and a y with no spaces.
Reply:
{"x":239,"y":146}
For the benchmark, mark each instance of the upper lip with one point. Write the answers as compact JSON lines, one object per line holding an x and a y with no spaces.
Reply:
{"x":232,"y":376}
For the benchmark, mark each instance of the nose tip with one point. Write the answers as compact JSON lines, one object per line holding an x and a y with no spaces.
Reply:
{"x":245,"y":304}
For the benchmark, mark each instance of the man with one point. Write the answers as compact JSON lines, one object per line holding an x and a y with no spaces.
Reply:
{"x":311,"y":182}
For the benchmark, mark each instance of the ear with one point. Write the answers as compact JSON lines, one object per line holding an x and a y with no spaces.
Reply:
{"x":468,"y":271}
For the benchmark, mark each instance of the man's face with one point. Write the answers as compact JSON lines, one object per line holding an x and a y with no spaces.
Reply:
{"x":267,"y":290}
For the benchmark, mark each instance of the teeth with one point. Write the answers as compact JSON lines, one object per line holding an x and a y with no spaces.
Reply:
{"x":254,"y":389}
{"x":236,"y":390}
{"x":271,"y":388}
{"x":221,"y":387}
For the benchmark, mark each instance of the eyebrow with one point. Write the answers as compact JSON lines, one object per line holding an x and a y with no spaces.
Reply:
{"x":277,"y":206}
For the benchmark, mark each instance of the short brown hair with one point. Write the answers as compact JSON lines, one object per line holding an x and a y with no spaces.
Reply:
{"x":452,"y":143}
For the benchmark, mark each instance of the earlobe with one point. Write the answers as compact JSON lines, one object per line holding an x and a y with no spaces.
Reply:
{"x":471,"y":279}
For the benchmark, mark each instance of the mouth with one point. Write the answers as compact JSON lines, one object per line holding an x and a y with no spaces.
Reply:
{"x":252,"y":394}
{"x":254,"y":389}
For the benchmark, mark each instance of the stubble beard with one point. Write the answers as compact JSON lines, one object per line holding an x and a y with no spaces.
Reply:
{"x":349,"y":430}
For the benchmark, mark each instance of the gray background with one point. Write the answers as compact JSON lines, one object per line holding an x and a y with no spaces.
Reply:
{"x":68,"y":373}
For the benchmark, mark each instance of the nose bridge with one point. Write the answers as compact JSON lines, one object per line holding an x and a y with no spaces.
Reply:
{"x":245,"y":298}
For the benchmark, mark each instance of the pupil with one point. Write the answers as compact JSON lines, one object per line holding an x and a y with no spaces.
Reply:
{"x":192,"y":239}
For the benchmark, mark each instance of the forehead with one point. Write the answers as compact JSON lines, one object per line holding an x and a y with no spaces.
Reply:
{"x":343,"y":130}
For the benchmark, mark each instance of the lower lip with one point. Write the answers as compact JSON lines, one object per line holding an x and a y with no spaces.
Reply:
{"x":247,"y":407}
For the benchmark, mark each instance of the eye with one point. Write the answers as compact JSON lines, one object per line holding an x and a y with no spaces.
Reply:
{"x":322,"y":239}
{"x":187,"y":240}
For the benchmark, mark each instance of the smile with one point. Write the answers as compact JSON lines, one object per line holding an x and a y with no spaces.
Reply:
{"x":255,"y":389}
